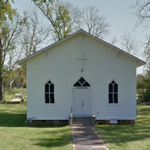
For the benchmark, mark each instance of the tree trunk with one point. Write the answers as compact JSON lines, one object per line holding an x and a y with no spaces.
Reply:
{"x":1,"y":68}
{"x":10,"y":85}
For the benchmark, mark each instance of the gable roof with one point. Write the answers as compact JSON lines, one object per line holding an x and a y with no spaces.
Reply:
{"x":139,"y":61}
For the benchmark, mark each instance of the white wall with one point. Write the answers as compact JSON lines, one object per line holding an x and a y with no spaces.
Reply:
{"x":60,"y":65}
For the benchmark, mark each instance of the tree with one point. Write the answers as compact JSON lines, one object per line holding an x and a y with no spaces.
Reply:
{"x":11,"y":31}
{"x":95,"y":23}
{"x":140,"y":81}
{"x":11,"y":27}
{"x":6,"y":13}
{"x":143,"y":88}
{"x":15,"y":78}
{"x":63,"y":17}
{"x":143,"y":85}
{"x":142,"y":12}
{"x":20,"y":77}
{"x":129,"y":44}
{"x":34,"y":33}
{"x":113,"y":41}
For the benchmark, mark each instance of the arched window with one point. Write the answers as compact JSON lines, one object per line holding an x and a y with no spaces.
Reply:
{"x":49,"y":92}
{"x":113,"y":92}
{"x":81,"y":83}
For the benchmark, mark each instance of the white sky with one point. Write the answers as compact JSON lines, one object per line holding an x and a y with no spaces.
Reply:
{"x":119,"y":15}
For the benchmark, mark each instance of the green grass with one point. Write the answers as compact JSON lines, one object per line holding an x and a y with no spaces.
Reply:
{"x":16,"y":135}
{"x":128,"y":137}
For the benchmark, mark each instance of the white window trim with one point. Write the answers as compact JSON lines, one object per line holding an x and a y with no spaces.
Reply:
{"x":113,"y":94}
{"x":49,"y":93}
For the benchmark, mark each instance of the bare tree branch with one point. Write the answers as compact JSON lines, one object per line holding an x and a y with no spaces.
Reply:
{"x":142,"y":11}
{"x":34,"y":34}
{"x":129,"y":44}
{"x":96,"y":24}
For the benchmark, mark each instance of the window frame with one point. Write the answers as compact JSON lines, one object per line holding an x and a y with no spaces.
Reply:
{"x":50,"y":93}
{"x":81,"y":84}
{"x":113,"y":92}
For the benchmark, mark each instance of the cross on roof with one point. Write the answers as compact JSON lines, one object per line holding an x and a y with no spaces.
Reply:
{"x":82,"y":58}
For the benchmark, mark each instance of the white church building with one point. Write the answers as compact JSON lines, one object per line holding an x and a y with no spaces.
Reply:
{"x":83,"y":76}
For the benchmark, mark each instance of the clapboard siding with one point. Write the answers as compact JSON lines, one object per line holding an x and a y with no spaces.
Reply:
{"x":60,"y":65}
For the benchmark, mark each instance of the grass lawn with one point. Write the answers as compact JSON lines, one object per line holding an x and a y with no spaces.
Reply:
{"x":16,"y":135}
{"x":128,"y":137}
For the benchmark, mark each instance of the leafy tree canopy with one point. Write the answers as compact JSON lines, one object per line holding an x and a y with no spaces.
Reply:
{"x":6,"y":10}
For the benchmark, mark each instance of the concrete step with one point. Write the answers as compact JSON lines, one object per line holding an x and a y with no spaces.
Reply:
{"x":80,"y":125}
{"x":82,"y":121}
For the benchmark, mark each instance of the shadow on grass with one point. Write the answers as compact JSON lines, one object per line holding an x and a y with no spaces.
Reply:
{"x":18,"y":120}
{"x":56,"y":138}
{"x":14,"y":115}
{"x":12,"y":120}
{"x":51,"y":136}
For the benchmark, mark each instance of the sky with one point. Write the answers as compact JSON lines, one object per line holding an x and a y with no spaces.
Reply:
{"x":119,"y":15}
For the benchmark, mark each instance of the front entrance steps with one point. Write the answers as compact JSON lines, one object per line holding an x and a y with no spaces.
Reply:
{"x":82,"y":121}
